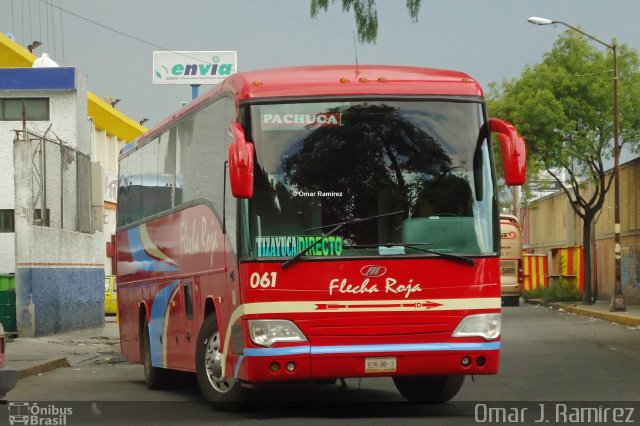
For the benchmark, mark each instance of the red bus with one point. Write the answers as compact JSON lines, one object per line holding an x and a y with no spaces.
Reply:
{"x":316,"y":223}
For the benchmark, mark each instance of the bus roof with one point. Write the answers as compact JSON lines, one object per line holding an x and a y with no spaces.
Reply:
{"x":338,"y":80}
{"x":333,"y":80}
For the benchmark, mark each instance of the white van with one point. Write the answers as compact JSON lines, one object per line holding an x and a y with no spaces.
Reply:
{"x":511,"y":274}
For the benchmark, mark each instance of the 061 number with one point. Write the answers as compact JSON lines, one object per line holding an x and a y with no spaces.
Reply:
{"x":266,"y":280}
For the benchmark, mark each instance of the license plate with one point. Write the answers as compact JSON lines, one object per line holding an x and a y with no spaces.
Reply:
{"x":507,"y":267}
{"x":380,"y":365}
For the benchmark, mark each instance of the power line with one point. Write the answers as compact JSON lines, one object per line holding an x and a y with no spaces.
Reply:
{"x":40,"y":20}
{"x":62,"y":32}
{"x":13,"y":25}
{"x":53,"y":30}
{"x":46,"y":11}
{"x":22,"y":21}
{"x":447,"y":61}
{"x":108,"y":28}
{"x":30,"y":24}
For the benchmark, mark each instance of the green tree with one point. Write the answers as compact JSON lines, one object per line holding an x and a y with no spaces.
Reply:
{"x":366,"y":15}
{"x":563,"y":107}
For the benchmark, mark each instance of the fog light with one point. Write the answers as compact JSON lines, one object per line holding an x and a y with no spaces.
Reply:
{"x":466,"y":361}
{"x":481,"y":361}
{"x":290,"y":366}
{"x":274,"y":367}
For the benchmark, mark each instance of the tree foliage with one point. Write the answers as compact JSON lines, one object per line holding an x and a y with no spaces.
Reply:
{"x":563,"y":107}
{"x":366,"y":15}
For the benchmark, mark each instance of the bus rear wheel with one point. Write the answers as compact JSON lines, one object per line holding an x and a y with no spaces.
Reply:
{"x":428,"y":389}
{"x":224,"y":393}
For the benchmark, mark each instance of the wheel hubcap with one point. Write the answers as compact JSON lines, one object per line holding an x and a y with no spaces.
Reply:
{"x":213,"y":365}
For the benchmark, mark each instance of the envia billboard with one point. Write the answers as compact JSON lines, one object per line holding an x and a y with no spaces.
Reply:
{"x":189,"y":67}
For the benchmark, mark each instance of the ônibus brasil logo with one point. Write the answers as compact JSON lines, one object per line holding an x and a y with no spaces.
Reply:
{"x":28,"y":413}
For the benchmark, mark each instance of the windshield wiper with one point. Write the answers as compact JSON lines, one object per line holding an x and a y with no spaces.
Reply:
{"x":454,"y":257}
{"x":337,"y":227}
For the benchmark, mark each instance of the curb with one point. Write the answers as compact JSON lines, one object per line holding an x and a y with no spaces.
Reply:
{"x":607,"y":316}
{"x":43,"y":367}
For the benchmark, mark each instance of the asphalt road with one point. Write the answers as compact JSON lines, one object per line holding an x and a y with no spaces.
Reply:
{"x":548,"y":359}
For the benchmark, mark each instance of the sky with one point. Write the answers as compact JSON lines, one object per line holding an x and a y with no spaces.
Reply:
{"x":489,"y":39}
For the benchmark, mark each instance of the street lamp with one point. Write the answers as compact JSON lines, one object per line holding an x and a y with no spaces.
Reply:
{"x":34,"y":44}
{"x":617,"y":300}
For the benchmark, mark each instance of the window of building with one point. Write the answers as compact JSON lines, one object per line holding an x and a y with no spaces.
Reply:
{"x":7,"y":223}
{"x":35,"y":109}
{"x":41,"y":217}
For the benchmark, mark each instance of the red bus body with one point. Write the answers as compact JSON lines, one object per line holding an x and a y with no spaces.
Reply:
{"x":362,"y":317}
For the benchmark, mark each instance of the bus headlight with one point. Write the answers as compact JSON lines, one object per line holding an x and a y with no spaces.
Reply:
{"x":481,"y":325}
{"x":268,"y":332}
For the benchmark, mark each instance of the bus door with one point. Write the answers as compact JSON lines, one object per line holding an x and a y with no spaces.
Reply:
{"x":189,"y":333}
{"x":180,"y":329}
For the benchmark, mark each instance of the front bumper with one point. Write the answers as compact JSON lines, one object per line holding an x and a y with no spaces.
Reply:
{"x":257,"y":365}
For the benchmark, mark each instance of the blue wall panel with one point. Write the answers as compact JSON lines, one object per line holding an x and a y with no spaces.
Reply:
{"x":37,"y":78}
{"x":64,"y":298}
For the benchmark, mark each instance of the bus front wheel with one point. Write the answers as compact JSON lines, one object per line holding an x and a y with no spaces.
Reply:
{"x":223,"y":393}
{"x":428,"y":389}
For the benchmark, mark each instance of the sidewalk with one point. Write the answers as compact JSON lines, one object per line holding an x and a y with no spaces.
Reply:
{"x":35,"y":355}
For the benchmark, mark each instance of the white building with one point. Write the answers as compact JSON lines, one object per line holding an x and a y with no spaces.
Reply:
{"x":58,"y":179}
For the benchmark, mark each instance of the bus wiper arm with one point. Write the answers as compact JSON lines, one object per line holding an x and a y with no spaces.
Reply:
{"x":337,"y":227}
{"x":454,"y":257}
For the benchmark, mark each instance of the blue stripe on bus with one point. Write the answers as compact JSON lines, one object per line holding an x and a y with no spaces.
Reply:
{"x":352,"y":349}
{"x":235,"y":373}
{"x":140,"y":257}
{"x":288,"y":350}
{"x":411,"y":347}
{"x":156,"y":323}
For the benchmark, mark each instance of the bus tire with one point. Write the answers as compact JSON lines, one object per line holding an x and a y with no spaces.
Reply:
{"x":222,"y":392}
{"x":154,"y":377}
{"x":429,"y":389}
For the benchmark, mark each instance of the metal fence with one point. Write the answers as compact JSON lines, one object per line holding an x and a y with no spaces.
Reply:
{"x":60,"y":182}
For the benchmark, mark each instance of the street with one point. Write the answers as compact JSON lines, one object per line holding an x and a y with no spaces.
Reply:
{"x":547,"y":355}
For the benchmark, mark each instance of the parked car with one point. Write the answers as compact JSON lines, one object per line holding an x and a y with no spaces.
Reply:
{"x":8,"y":376}
{"x":110,"y":295}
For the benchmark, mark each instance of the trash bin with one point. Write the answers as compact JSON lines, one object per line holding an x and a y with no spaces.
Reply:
{"x":7,"y":282}
{"x":8,"y":311}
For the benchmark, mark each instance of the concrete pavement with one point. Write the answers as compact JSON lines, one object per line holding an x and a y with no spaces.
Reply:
{"x":37,"y":355}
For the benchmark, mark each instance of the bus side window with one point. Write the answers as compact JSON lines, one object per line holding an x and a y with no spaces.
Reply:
{"x":188,"y":301}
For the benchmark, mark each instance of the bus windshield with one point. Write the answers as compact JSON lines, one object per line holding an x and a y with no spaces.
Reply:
{"x":417,"y":172}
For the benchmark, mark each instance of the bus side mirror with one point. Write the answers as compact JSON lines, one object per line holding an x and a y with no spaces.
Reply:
{"x":513,"y":150}
{"x":240,"y":162}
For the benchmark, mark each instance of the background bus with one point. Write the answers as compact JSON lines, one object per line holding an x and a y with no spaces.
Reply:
{"x":316,"y":223}
{"x":511,"y":272}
